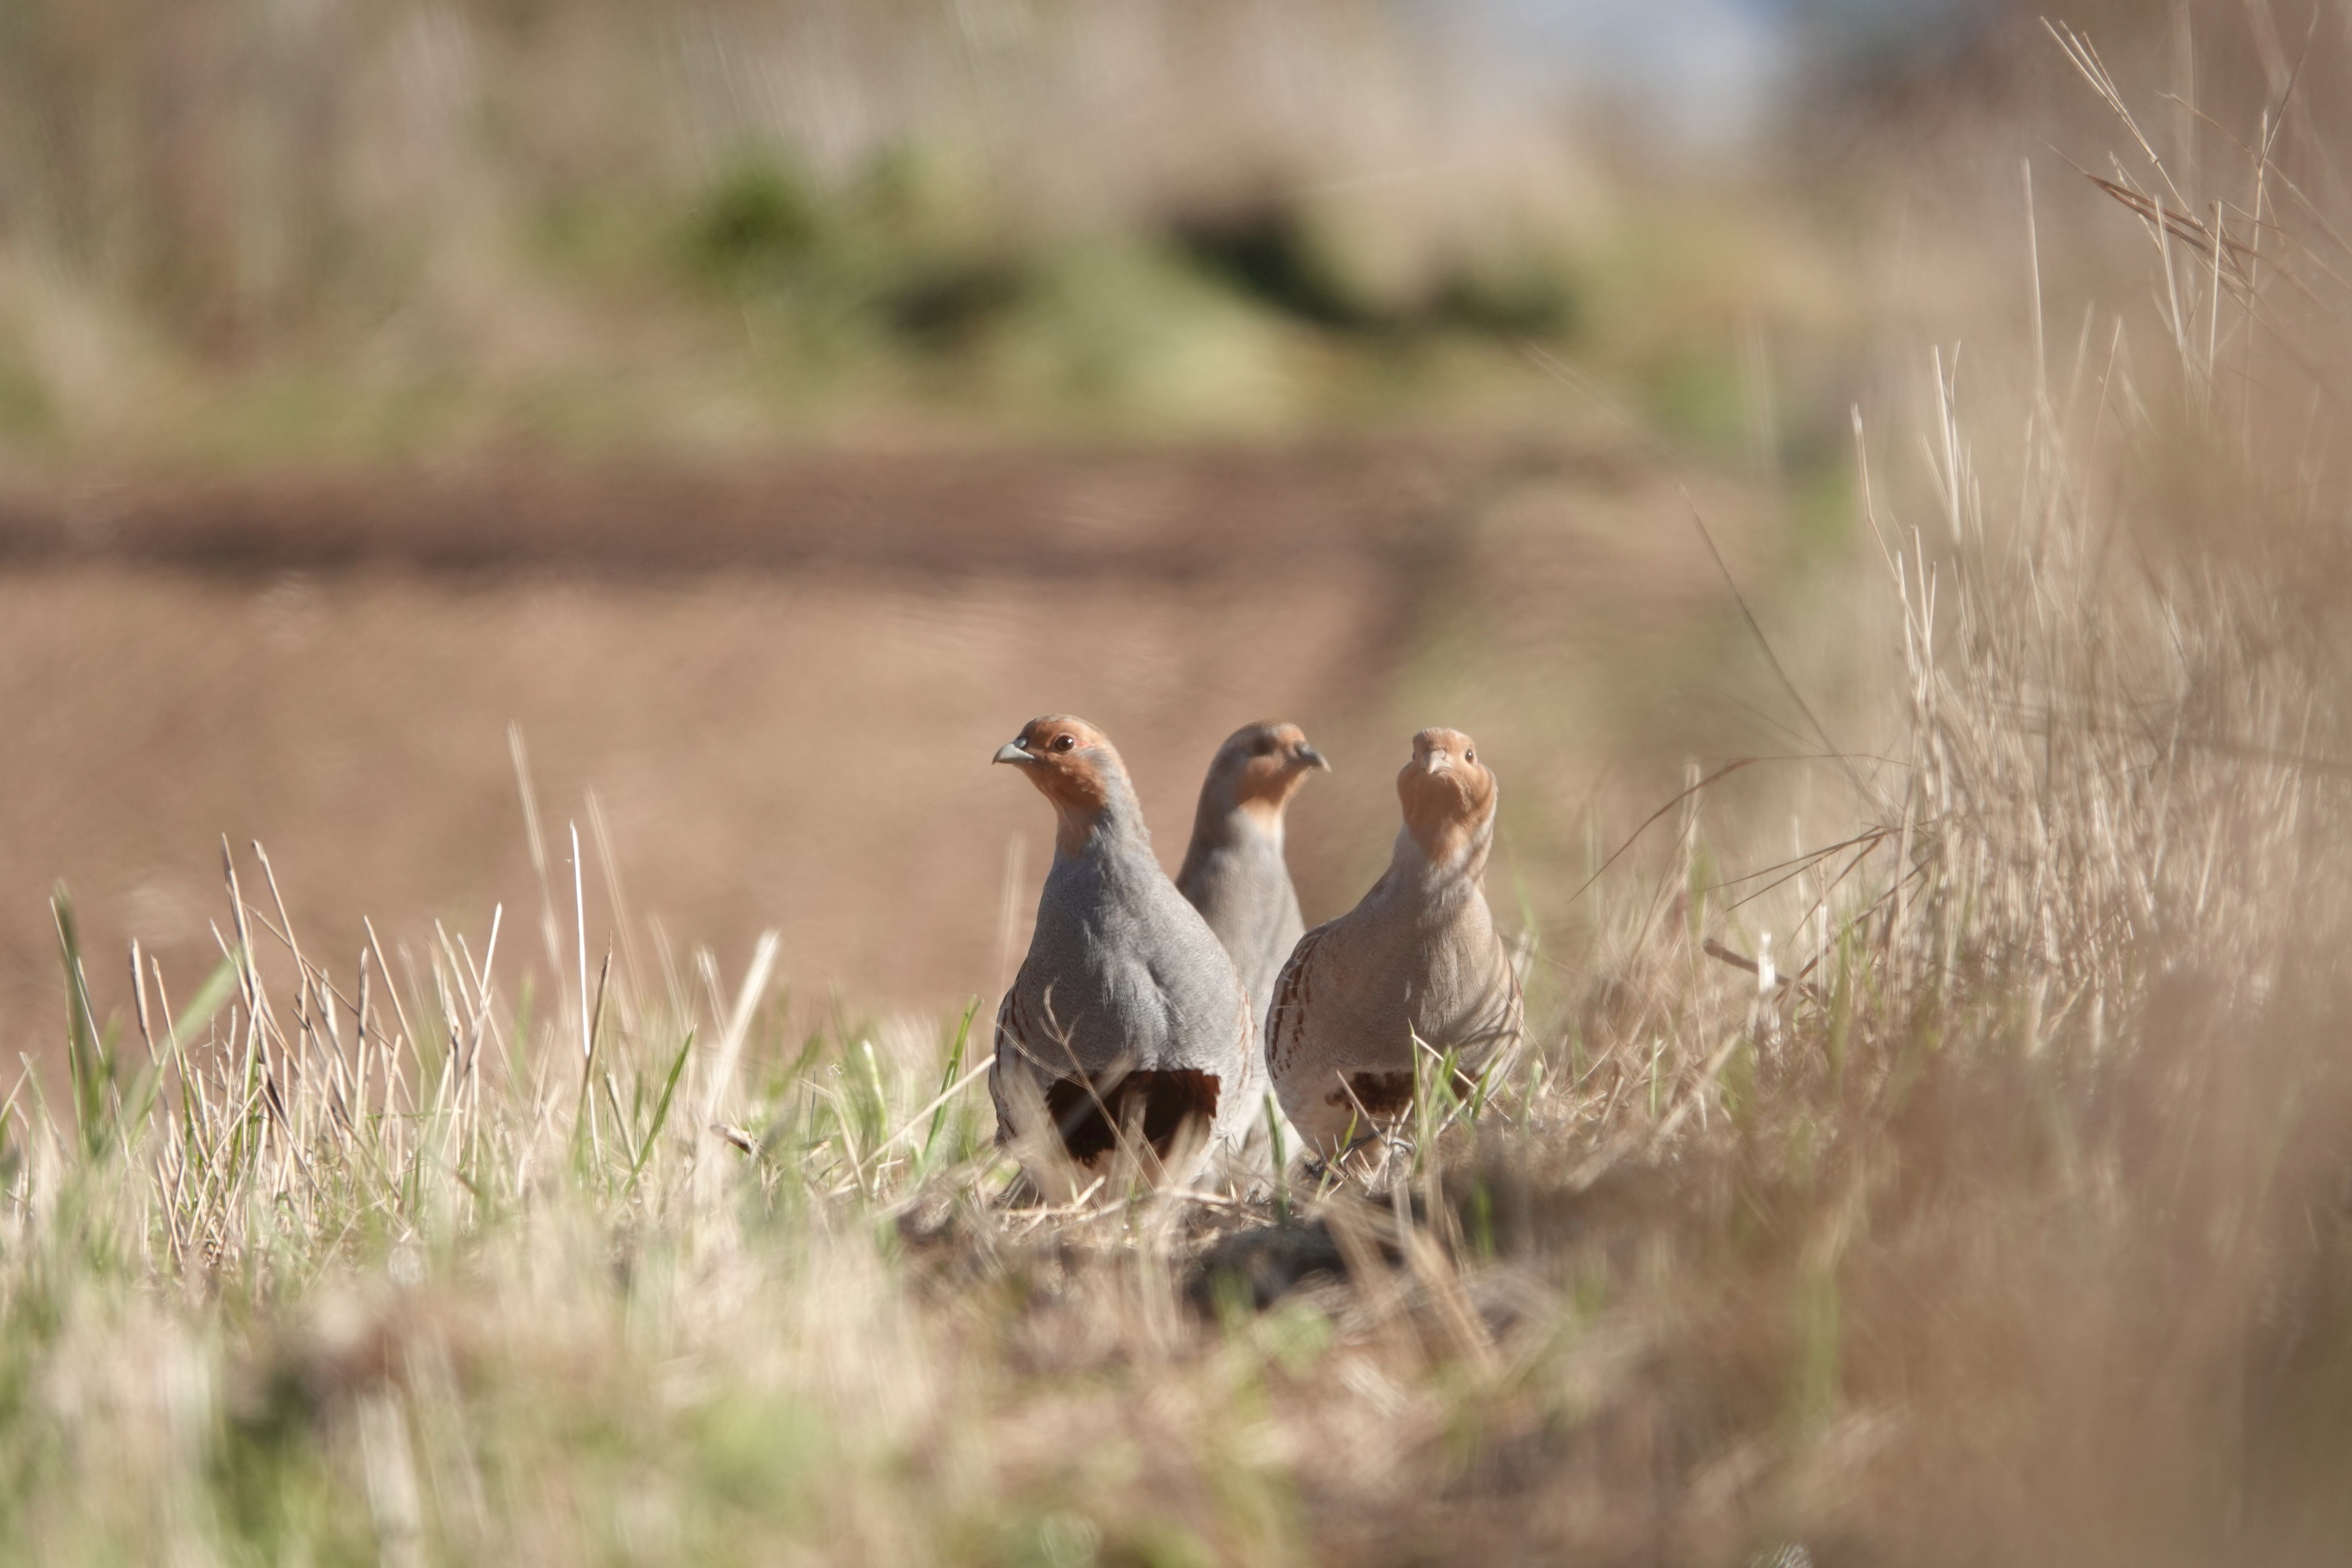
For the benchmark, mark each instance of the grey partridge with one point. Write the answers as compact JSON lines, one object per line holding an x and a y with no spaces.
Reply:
{"x":1417,"y":960}
{"x":1126,"y":1030}
{"x":1233,"y":871}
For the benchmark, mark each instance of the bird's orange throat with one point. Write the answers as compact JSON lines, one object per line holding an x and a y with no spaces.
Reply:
{"x":1074,"y":789}
{"x":1451,"y":817}
{"x":1265,"y":787}
{"x":1454,"y":844}
{"x":1084,"y":797}
{"x":1265,"y":813}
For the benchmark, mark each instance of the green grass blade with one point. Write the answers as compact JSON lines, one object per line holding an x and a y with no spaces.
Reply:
{"x":947,"y":1078}
{"x":87,"y":1057}
{"x":661,"y":1107}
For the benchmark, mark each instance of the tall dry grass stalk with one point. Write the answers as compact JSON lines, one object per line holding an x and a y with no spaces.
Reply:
{"x":1998,"y":1209}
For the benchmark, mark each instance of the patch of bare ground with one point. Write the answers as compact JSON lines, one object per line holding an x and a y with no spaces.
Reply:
{"x":780,"y":682}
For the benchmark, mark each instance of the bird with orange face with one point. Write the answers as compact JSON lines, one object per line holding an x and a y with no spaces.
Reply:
{"x":1234,"y":871}
{"x":1417,"y":963}
{"x":1126,"y":1034}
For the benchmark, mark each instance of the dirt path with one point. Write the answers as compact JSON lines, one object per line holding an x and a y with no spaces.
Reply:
{"x":781,"y":683}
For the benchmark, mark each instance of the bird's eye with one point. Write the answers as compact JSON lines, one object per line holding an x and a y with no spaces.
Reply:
{"x":1263,"y":746}
{"x":1064,"y":742}
{"x":1470,"y":755}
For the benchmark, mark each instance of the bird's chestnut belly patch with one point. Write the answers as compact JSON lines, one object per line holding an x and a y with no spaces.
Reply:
{"x":1380,"y":1094}
{"x":1090,"y":1115}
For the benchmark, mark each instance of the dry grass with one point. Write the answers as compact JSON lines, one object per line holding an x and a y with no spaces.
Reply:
{"x":2015,"y":1225}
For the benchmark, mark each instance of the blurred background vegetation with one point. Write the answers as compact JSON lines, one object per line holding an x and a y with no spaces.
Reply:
{"x":239,"y":233}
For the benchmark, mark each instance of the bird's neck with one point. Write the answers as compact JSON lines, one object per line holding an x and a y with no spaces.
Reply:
{"x":1115,"y":824}
{"x":1221,"y":824}
{"x":1448,"y":876}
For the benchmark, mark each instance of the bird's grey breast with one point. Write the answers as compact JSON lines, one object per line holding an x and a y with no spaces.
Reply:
{"x":1412,"y":959}
{"x":1132,"y":969}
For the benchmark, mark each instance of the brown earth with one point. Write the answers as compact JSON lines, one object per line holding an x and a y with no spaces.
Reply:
{"x":782,"y":683}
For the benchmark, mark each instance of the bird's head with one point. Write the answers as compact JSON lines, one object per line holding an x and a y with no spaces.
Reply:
{"x":1448,"y":797}
{"x":1259,"y":767}
{"x":1072,"y":763}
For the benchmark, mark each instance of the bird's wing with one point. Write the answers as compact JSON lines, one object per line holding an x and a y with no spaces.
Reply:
{"x":1008,"y":1045}
{"x":1502,"y":1016}
{"x":1010,"y":1023}
{"x":1293,"y":996}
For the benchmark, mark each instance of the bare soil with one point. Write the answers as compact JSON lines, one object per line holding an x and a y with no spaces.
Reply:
{"x":781,"y":682}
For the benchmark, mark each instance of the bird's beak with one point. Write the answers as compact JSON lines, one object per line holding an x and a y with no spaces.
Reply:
{"x":1307,"y":757}
{"x":1010,"y":752}
{"x":1439,"y":761}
